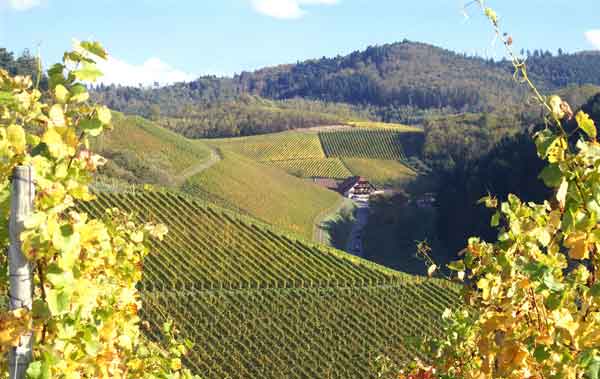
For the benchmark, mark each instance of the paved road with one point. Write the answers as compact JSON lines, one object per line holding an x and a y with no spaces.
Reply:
{"x":361,"y":214}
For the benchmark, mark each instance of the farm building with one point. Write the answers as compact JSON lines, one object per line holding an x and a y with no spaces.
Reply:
{"x":356,"y":187}
{"x":331,"y":184}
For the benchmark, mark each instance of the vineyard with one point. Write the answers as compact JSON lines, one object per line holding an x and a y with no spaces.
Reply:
{"x":311,"y":168}
{"x":378,"y":143}
{"x":276,"y":147}
{"x":158,"y":148}
{"x":381,"y":172}
{"x":258,"y":303}
{"x":265,"y":192}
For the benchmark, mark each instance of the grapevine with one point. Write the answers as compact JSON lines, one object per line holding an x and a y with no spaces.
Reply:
{"x":533,"y":297}
{"x":85,"y":304}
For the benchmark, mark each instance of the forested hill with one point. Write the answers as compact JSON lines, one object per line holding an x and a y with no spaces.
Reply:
{"x":391,"y":76}
{"x":400,"y":74}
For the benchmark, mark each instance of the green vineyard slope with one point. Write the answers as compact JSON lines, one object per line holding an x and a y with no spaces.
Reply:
{"x":267,"y":193}
{"x":261,"y":304}
{"x":377,"y":143}
{"x":315,"y":168}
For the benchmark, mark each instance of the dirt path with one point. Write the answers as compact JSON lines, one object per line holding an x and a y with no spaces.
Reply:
{"x":214,"y":158}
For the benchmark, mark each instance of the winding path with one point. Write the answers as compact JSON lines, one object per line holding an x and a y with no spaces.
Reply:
{"x":213,"y":159}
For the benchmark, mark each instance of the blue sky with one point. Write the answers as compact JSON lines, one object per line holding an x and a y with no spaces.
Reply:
{"x":172,"y":40}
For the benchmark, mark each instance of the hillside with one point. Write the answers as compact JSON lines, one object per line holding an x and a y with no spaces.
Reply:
{"x":267,"y":193}
{"x":260,"y":304}
{"x":335,"y":152}
{"x":391,"y":82}
{"x":140,"y":151}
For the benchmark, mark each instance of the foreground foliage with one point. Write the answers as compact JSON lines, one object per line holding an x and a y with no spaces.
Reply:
{"x":533,"y":297}
{"x":85,"y":304}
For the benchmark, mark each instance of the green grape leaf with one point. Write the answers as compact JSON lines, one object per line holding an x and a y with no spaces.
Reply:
{"x":586,"y":124}
{"x":592,"y":371}
{"x":58,"y":301}
{"x":457,"y":265}
{"x":551,"y":175}
{"x":495,"y":221}
{"x":16,"y":137}
{"x":6,"y":98}
{"x":88,"y":73}
{"x":38,"y":370}
{"x":34,"y":220}
{"x":595,"y":290}
{"x":92,"y":127}
{"x":95,"y":48}
{"x":541,"y":354}
{"x":79,"y":94}
{"x":40,"y":309}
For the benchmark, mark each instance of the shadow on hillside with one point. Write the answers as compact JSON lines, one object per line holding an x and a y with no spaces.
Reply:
{"x":339,"y":228}
{"x":394,"y":229}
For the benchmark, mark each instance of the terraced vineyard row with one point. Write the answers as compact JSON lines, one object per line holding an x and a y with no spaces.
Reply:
{"x":209,"y":248}
{"x":277,"y":147}
{"x":315,"y":168}
{"x":261,"y":304}
{"x":301,"y":332}
{"x":380,"y":143}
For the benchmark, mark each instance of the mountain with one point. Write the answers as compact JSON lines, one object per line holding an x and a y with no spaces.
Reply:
{"x":390,"y":82}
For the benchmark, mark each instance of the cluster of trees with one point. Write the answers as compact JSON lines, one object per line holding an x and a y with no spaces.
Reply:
{"x":250,"y":115}
{"x":510,"y":166}
{"x":24,"y":64}
{"x":557,"y":71}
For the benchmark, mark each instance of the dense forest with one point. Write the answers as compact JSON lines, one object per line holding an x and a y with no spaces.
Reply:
{"x":511,"y":166}
{"x":404,"y":82}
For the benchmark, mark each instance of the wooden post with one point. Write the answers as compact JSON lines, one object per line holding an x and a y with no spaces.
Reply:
{"x":21,"y":283}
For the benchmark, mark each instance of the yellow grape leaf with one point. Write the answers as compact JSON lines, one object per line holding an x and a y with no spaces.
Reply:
{"x":564,"y":320}
{"x":484,"y":285}
{"x":586,"y":124}
{"x":55,"y":144}
{"x":57,"y":116}
{"x":61,"y":93}
{"x":16,"y":137}
{"x":13,"y":325}
{"x":554,"y":103}
{"x":104,"y":115}
{"x":512,"y":356}
{"x":578,"y":245}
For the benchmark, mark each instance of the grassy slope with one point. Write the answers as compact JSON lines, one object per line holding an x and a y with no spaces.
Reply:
{"x":142,"y":152}
{"x":261,"y":304}
{"x":267,"y":193}
{"x":381,"y":172}
{"x":283,"y":146}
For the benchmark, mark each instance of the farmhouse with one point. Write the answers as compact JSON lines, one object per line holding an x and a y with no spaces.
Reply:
{"x":356,"y":187}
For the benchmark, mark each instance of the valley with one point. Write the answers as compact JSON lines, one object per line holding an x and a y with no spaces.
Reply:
{"x":308,"y":220}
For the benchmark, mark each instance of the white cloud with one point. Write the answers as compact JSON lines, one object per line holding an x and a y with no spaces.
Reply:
{"x":287,"y":9}
{"x":152,"y":70}
{"x":21,"y":5}
{"x":593,"y":37}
